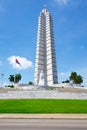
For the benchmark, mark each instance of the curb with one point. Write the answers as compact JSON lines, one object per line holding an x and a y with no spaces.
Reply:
{"x":43,"y":116}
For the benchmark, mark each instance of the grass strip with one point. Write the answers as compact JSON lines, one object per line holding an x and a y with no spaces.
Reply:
{"x":43,"y":106}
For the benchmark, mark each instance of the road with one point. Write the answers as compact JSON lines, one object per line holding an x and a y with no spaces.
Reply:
{"x":42,"y":124}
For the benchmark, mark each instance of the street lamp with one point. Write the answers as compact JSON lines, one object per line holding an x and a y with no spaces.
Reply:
{"x":2,"y":75}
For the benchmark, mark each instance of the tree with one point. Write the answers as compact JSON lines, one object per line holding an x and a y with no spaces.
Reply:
{"x":30,"y":83}
{"x":15,"y":79}
{"x":77,"y":79}
{"x":11,"y":78}
{"x":73,"y":76}
{"x":66,"y":81}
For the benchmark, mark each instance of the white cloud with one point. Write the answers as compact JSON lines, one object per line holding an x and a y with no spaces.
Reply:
{"x":71,"y":3}
{"x":25,"y":63}
{"x":62,"y":2}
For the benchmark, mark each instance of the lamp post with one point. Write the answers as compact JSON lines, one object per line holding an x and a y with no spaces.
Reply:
{"x":2,"y":75}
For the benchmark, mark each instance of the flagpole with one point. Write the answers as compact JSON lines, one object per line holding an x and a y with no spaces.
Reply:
{"x":16,"y":62}
{"x":14,"y":71}
{"x":2,"y":75}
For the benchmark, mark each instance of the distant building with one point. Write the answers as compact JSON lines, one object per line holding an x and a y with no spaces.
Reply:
{"x":45,"y":65}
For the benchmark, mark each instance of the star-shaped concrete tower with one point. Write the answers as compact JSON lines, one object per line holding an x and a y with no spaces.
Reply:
{"x":45,"y":66}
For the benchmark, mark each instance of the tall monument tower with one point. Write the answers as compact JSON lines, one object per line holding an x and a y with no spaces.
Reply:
{"x":45,"y":66}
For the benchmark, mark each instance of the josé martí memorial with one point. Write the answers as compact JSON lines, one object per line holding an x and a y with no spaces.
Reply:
{"x":45,"y":76}
{"x":45,"y":66}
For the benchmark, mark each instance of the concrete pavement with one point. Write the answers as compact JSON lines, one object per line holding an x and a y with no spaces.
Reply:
{"x":43,"y":124}
{"x":43,"y":116}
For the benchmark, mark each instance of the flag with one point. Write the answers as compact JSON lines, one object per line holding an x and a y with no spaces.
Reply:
{"x":17,"y":61}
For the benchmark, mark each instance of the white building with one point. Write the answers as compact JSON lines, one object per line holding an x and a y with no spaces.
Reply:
{"x":45,"y":66}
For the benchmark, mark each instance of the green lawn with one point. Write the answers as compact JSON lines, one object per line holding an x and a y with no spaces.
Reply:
{"x":43,"y":106}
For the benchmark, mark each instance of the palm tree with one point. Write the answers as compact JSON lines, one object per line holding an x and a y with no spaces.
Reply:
{"x":77,"y":79}
{"x":11,"y":78}
{"x":15,"y":79}
{"x":73,"y":76}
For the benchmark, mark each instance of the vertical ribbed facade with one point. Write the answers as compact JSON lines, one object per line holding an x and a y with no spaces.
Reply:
{"x":45,"y":50}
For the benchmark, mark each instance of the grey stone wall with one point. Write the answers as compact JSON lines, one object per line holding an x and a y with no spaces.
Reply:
{"x":42,"y":94}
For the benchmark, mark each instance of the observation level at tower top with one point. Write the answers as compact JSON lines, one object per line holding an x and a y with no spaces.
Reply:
{"x":44,"y":10}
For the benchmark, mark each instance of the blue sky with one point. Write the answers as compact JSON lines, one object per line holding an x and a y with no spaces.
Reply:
{"x":18,"y":35}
